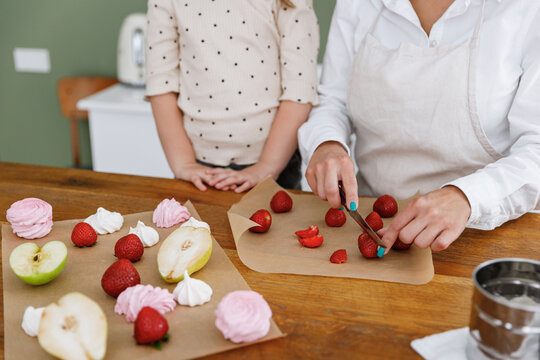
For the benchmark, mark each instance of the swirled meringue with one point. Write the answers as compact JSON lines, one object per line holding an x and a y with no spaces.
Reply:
{"x":243,"y":316}
{"x":31,"y":320}
{"x":134,"y":298}
{"x":169,"y":212}
{"x":192,"y":292}
{"x":196,"y":224}
{"x":148,"y":235}
{"x":30,"y":218}
{"x":105,"y":221}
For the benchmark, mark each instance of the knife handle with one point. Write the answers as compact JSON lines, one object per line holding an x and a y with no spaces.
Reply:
{"x":342,"y":194}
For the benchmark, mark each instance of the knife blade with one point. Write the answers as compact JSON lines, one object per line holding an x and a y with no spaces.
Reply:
{"x":360,"y":221}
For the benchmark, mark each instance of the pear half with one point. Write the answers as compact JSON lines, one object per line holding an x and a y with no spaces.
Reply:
{"x":74,"y":327}
{"x":186,"y":248}
{"x":38,"y":266}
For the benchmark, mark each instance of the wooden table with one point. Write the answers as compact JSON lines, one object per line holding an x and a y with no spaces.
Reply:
{"x":324,"y":317}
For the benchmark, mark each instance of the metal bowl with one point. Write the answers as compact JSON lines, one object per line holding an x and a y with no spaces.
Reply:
{"x":505,"y":313}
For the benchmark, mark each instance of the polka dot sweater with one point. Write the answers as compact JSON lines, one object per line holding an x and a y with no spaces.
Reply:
{"x":231,"y":62}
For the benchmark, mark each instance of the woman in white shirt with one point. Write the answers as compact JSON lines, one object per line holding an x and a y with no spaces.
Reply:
{"x":444,"y":98}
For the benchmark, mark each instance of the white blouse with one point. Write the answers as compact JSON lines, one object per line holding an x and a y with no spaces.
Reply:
{"x":508,"y":90}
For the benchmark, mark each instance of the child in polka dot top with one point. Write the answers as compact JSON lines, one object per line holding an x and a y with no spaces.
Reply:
{"x":230,"y":83}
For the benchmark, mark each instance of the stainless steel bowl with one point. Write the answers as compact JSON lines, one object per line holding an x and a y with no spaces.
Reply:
{"x":505,"y":314}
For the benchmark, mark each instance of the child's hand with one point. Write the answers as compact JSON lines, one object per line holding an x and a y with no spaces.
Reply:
{"x":239,"y":181}
{"x":197,"y":174}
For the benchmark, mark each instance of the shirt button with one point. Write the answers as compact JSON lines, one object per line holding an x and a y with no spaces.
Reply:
{"x":433,"y":43}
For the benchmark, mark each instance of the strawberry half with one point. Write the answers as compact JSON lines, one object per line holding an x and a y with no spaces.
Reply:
{"x":367,"y":247}
{"x":311,"y":242}
{"x":339,"y":256}
{"x":400,"y":245}
{"x":386,"y":206}
{"x":83,"y":234}
{"x":119,"y":276}
{"x":150,"y":326}
{"x":309,"y":232}
{"x":129,"y":247}
{"x":374,"y":221}
{"x":335,"y":217}
{"x":281,"y":202}
{"x":263,"y":218}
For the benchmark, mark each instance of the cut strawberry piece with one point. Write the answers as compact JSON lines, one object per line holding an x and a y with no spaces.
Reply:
{"x":339,"y":256}
{"x":374,"y":221}
{"x":386,"y":206}
{"x":311,"y":242}
{"x":309,"y":232}
{"x":367,"y":247}
{"x":400,"y":245}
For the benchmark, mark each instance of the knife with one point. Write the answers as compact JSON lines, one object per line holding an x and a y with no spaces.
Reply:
{"x":363,"y":224}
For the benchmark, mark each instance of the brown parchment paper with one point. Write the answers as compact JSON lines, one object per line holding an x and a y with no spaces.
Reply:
{"x":192,"y":330}
{"x":278,"y":250}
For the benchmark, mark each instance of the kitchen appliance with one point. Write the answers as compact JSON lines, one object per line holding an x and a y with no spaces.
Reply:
{"x":505,"y":314}
{"x":130,"y":56}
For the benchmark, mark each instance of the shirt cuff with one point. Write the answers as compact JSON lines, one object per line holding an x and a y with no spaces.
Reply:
{"x":300,"y":91}
{"x":161,"y":84}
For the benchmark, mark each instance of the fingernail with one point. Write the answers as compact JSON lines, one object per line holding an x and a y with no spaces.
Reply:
{"x":342,"y":208}
{"x":353,"y":206}
{"x":380,"y":252}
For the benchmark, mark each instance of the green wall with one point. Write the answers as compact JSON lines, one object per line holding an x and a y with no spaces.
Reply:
{"x":81,"y":37}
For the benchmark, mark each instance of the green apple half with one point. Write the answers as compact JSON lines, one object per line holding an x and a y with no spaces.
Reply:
{"x":37,"y":266}
{"x":74,"y":327}
{"x":186,"y":248}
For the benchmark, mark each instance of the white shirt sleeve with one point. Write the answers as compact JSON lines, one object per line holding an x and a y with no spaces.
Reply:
{"x":330,"y":120}
{"x":510,"y":187}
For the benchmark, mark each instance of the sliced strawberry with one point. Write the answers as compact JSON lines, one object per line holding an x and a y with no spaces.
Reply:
{"x":312,"y":242}
{"x":374,"y":221}
{"x":309,"y":232}
{"x":339,"y":256}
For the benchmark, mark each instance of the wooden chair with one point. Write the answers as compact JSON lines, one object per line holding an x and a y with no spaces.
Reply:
{"x":70,"y":91}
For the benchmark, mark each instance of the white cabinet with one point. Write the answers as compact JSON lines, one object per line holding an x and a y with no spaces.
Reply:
{"x":123,"y":134}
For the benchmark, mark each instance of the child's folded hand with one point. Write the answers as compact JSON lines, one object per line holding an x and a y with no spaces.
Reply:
{"x":238,"y":180}
{"x":197,"y":174}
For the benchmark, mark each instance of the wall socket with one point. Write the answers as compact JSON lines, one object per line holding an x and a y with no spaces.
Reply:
{"x":32,"y":60}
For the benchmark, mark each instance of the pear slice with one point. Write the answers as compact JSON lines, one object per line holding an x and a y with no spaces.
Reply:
{"x":37,"y":266}
{"x":186,"y":248}
{"x":74,"y":328}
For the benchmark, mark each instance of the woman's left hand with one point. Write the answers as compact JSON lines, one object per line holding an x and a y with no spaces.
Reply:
{"x":239,"y":180}
{"x":435,"y":219}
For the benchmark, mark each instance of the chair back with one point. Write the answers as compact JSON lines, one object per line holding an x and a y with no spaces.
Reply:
{"x":72,"y":89}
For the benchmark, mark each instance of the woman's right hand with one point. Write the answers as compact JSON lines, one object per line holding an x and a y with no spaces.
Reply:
{"x":329,"y":164}
{"x":196,"y":173}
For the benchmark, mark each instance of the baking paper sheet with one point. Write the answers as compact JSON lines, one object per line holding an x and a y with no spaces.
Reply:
{"x":278,"y":250}
{"x":192,"y":330}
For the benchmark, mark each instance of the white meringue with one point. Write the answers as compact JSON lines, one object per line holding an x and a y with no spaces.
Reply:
{"x":105,"y":221}
{"x":192,"y":292}
{"x":148,"y":235}
{"x":196,"y":224}
{"x":31,"y":320}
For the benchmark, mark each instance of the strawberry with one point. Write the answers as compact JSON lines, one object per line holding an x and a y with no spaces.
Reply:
{"x":281,"y":202}
{"x":335,"y":218}
{"x":367,"y":247}
{"x":309,"y":232}
{"x":386,"y":206}
{"x":400,"y":245}
{"x":119,"y":276}
{"x":339,"y":256}
{"x":83,"y":234}
{"x":150,"y":326}
{"x":263,"y":218}
{"x":311,"y":242}
{"x":374,"y":221}
{"x":129,"y":247}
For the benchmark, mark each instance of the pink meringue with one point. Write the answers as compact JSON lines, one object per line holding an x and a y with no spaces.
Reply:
{"x":134,"y":298}
{"x":243,"y":316}
{"x":169,"y":213}
{"x":30,"y":218}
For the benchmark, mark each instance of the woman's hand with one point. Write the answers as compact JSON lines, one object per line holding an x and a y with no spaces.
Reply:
{"x":329,"y":164}
{"x":435,"y":219}
{"x":196,"y":173}
{"x":240,"y":180}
